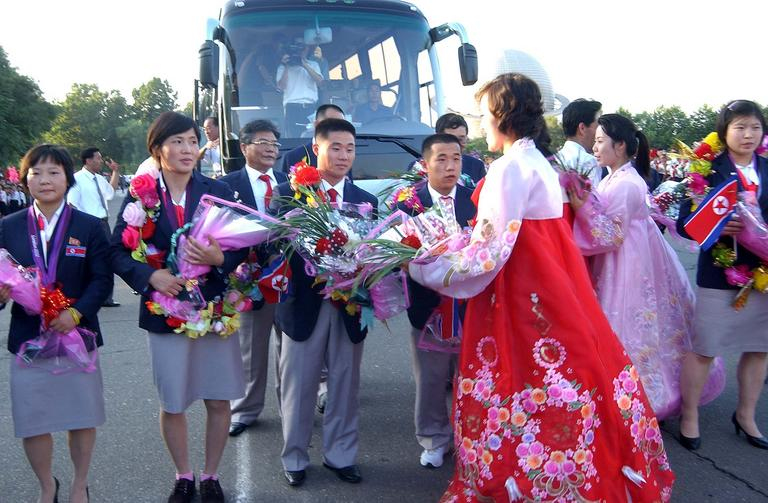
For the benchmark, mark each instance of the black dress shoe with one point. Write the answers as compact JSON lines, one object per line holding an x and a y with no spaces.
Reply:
{"x":349,"y":473}
{"x":690,"y":443}
{"x":111,"y":303}
{"x":183,"y":491}
{"x":322,"y":399}
{"x":56,"y":494}
{"x":210,"y":491}
{"x":237,"y":428}
{"x":759,"y":442}
{"x":296,"y":478}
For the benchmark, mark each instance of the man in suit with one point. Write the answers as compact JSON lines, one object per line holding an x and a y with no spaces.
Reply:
{"x":455,"y":125}
{"x":317,"y":331}
{"x":327,"y":111}
{"x":254,"y":185}
{"x":434,"y":366}
{"x":579,"y":126}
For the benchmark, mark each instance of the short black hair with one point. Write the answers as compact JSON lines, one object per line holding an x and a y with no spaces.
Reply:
{"x":426,"y":146}
{"x":450,"y":121}
{"x":257,"y":126}
{"x":322,"y":109}
{"x":734,"y":110}
{"x":328,"y":126}
{"x":578,"y":111}
{"x":47,"y":152}
{"x":166,"y":125}
{"x":88,"y":153}
{"x":212,"y":118}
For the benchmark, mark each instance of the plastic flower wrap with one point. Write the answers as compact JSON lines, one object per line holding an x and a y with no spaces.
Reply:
{"x":68,"y":352}
{"x":574,"y":177}
{"x":233,"y":225}
{"x":24,"y":283}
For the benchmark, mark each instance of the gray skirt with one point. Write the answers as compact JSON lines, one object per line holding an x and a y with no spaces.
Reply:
{"x":42,"y":402}
{"x":720,"y":329}
{"x":185,"y":370}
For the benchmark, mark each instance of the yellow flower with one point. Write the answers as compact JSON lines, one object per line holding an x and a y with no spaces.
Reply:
{"x":761,"y":279}
{"x":714,"y":141}
{"x":488,"y":265}
{"x":513,"y":226}
{"x":466,"y":386}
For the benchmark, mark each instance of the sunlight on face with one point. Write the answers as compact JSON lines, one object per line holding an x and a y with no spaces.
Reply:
{"x":606,"y":151}
{"x":744,"y":135}
{"x":47,"y":182}
{"x":178,"y":153}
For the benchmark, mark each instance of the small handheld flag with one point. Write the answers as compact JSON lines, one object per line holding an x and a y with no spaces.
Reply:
{"x":275,"y":281}
{"x":706,"y":223}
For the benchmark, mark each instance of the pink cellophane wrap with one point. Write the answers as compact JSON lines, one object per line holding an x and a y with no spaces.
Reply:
{"x":234,"y":226}
{"x":68,"y":351}
{"x":755,"y":234}
{"x":24,"y":283}
{"x":187,"y":309}
{"x":389,"y":296}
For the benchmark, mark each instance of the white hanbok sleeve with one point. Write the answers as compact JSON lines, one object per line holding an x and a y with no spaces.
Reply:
{"x":503,"y":201}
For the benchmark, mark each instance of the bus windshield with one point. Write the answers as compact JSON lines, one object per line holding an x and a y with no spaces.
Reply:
{"x":376,"y":66}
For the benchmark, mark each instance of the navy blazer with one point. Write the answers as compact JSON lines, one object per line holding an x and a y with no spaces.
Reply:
{"x":240,"y":183}
{"x":293,"y":156}
{"x":708,"y":275}
{"x":87,"y":279}
{"x":473,"y":167}
{"x":137,"y":274}
{"x":297,"y":315}
{"x":423,"y":300}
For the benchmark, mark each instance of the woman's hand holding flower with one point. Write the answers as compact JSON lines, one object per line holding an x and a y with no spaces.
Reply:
{"x":166,"y":283}
{"x":63,"y":323}
{"x":201,"y":254}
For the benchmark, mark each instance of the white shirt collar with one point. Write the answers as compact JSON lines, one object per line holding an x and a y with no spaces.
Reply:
{"x":435,"y":195}
{"x":182,"y":201}
{"x":254,"y":174}
{"x":54,"y":218}
{"x":339,"y":188}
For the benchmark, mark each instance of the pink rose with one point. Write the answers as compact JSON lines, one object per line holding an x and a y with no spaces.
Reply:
{"x":698,"y":184}
{"x":134,"y":215}
{"x":144,"y":187}
{"x":131,"y":237}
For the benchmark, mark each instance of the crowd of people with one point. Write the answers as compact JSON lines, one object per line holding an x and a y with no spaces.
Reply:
{"x":580,"y":330}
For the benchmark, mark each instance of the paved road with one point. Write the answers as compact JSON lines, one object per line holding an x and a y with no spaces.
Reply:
{"x":131,"y":464}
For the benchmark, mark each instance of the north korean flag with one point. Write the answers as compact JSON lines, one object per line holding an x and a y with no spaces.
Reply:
{"x":706,"y":223}
{"x":274,"y":283}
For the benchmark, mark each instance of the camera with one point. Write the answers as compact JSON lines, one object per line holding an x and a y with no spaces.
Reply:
{"x":294,"y":52}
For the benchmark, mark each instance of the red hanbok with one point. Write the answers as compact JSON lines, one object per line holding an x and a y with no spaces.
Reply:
{"x":548,"y":405}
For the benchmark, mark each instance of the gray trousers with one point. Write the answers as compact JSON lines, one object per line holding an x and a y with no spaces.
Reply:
{"x":432,"y":370}
{"x":300,"y":366}
{"x":255,"y":329}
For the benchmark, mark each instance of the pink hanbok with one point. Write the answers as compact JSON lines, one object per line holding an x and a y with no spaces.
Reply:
{"x":642,"y":286}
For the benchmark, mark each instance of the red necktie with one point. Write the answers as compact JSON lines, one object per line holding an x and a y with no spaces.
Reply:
{"x":40,"y":222}
{"x":179,"y":214}
{"x":748,"y":185}
{"x":332,"y":195}
{"x":268,"y":194}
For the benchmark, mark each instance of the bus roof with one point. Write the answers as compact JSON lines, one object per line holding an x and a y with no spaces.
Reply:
{"x":391,"y":6}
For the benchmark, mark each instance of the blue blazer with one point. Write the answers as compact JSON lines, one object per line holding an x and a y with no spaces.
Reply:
{"x":473,"y":167}
{"x":708,"y":275}
{"x":87,"y":279}
{"x":424,"y":300}
{"x":293,"y":156}
{"x":297,"y":315}
{"x":137,"y":274}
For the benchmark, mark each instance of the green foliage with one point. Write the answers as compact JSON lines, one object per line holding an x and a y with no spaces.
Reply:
{"x":24,"y":113}
{"x":188,"y":109}
{"x":556,"y":134}
{"x":153,"y":98}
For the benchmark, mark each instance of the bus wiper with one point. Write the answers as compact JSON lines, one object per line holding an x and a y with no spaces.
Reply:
{"x":391,"y":139}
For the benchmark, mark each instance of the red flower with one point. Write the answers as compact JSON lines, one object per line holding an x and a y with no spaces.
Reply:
{"x":156,"y":260}
{"x":148,"y":230}
{"x":323,"y":246}
{"x":144,"y":188}
{"x":704,"y":151}
{"x":306,"y":176}
{"x":131,"y":237}
{"x":339,"y":237}
{"x":173,"y":322}
{"x":411,"y":240}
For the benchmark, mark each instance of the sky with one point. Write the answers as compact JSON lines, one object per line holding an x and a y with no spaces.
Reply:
{"x":639,"y":55}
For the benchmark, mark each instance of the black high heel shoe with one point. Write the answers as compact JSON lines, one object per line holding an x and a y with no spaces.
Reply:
{"x":759,"y":442}
{"x":690,"y":443}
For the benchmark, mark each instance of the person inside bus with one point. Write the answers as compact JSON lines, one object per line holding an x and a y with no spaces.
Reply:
{"x":373,"y":109}
{"x":327,"y":111}
{"x":298,"y":78}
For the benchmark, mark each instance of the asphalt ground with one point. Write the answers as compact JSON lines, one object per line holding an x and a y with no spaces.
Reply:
{"x":131,"y":464}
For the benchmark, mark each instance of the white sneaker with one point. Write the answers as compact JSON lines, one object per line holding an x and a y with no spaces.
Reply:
{"x":432,"y":458}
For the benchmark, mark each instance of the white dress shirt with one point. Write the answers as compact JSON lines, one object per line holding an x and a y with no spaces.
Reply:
{"x":46,"y":233}
{"x":435,"y":195}
{"x":339,"y":189}
{"x":85,"y":197}
{"x":574,"y":156}
{"x":259,"y":187}
{"x":749,"y":173}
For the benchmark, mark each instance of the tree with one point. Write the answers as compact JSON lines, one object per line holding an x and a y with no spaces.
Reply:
{"x":188,"y":109}
{"x":153,"y":98}
{"x":81,"y":122}
{"x":556,"y":133}
{"x":24,"y":113}
{"x":700,"y":124}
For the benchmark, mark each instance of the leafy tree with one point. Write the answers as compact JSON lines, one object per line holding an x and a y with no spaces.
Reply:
{"x":153,"y":98}
{"x":700,"y":124}
{"x":82,"y":120}
{"x":556,"y":133}
{"x":187,"y":110}
{"x":24,"y":113}
{"x":132,"y":135}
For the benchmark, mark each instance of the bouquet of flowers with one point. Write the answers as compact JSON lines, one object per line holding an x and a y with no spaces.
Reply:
{"x":574,"y":177}
{"x":141,"y":218}
{"x":407,"y":184}
{"x":24,"y":283}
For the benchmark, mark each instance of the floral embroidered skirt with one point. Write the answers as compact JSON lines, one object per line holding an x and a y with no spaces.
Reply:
{"x":548,"y":404}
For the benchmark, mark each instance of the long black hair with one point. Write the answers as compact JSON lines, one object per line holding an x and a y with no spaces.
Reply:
{"x":621,"y":129}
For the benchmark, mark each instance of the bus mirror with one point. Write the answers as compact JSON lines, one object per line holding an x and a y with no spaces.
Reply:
{"x":318,"y":36}
{"x":468,"y":64}
{"x":209,"y":64}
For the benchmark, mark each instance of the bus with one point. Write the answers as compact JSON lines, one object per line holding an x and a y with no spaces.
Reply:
{"x":358,"y":45}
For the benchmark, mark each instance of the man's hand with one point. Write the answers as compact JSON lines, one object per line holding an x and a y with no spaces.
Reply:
{"x":199,"y":253}
{"x":63,"y":323}
{"x":733,"y":227}
{"x":5,"y":294}
{"x":166,"y":283}
{"x":114,"y":166}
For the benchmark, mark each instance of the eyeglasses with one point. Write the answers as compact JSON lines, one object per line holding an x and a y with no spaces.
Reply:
{"x":274,"y":144}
